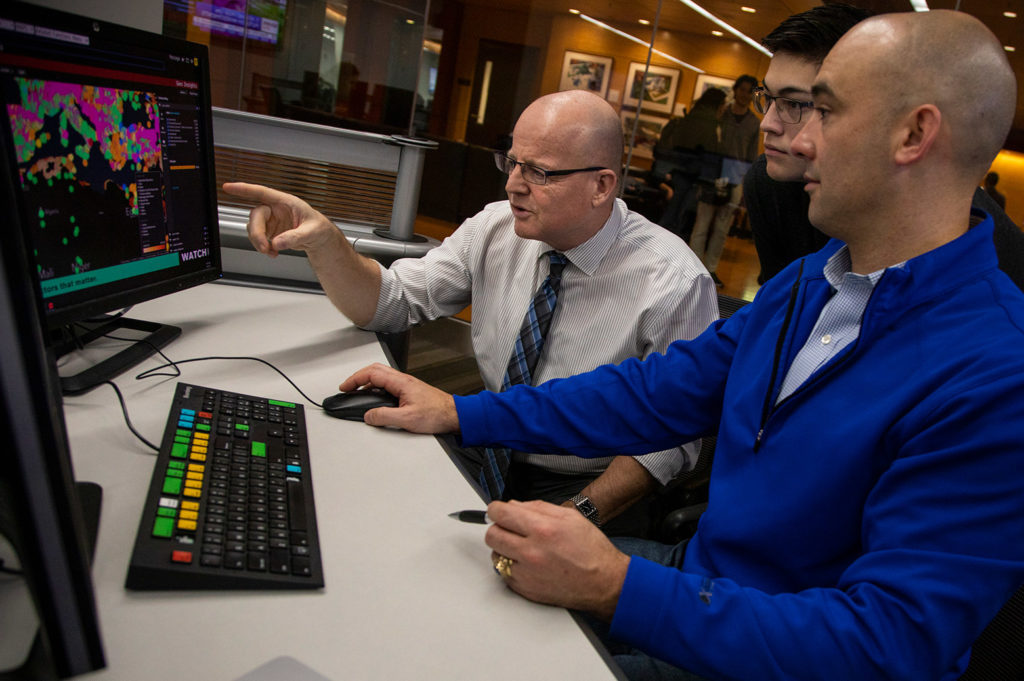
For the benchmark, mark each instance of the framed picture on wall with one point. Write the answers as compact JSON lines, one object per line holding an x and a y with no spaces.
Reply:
{"x":705,"y":82}
{"x":657,"y":91}
{"x":582,"y":71}
{"x":647,"y":132}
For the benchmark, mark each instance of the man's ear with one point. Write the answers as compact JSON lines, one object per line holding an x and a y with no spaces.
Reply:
{"x":606,"y":183}
{"x":918,"y":131}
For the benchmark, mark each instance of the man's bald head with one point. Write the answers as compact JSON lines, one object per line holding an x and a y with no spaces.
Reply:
{"x":949,"y":59}
{"x":582,"y":126}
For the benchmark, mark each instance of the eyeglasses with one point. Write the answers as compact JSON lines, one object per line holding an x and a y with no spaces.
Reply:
{"x":789,"y":110}
{"x":533,"y":174}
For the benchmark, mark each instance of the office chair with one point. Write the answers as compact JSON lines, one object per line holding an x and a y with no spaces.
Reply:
{"x":998,"y":654}
{"x":686,"y":497}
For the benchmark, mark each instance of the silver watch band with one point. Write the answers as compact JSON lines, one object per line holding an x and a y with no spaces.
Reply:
{"x":585,"y":506}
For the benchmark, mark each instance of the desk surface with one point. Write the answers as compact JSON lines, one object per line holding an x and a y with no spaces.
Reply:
{"x":410,"y":594}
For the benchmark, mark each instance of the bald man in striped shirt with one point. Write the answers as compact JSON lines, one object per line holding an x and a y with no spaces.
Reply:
{"x":629,"y":289}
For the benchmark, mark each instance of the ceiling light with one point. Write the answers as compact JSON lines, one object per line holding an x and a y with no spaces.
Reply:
{"x":711,"y":17}
{"x":1010,"y":15}
{"x":410,"y":21}
{"x":919,"y":5}
{"x":1009,"y":48}
{"x":641,"y":42}
{"x":644,"y":22}
{"x":748,"y":9}
{"x":574,"y":11}
{"x":717,"y":34}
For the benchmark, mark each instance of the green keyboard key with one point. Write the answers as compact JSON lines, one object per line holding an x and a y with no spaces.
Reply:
{"x":163,"y":527}
{"x":279,"y":403}
{"x":172,"y":485}
{"x":179,"y":450}
{"x":259,"y":449}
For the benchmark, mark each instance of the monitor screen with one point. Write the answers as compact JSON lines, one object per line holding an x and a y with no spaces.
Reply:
{"x":109,"y":138}
{"x":734,"y":169}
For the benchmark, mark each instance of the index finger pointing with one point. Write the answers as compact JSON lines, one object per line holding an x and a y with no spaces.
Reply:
{"x":253,"y":192}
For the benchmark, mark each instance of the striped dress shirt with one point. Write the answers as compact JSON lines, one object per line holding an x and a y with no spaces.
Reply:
{"x":838,"y":323}
{"x":630,"y":290}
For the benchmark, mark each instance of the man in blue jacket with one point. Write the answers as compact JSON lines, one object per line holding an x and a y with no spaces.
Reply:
{"x":866,"y":512}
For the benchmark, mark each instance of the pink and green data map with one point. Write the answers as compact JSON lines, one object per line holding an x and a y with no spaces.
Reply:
{"x":82,"y":152}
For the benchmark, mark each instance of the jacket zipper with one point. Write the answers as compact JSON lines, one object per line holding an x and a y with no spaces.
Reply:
{"x":769,"y":408}
{"x":766,"y":409}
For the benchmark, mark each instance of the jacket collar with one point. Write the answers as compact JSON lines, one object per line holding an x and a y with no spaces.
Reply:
{"x":965,"y":259}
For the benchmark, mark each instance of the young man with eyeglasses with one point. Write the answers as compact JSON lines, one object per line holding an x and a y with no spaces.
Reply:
{"x":629,"y":289}
{"x":774,"y":189}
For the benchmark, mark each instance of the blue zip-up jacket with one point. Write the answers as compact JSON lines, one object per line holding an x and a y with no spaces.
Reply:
{"x":869,"y":525}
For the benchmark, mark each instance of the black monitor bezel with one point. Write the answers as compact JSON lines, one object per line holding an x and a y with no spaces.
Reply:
{"x":134,"y":292}
{"x":47,"y":524}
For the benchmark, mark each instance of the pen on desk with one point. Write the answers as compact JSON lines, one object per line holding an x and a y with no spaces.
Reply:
{"x":478,"y":517}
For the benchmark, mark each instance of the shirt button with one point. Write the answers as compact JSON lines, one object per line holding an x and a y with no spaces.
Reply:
{"x":826,"y":339}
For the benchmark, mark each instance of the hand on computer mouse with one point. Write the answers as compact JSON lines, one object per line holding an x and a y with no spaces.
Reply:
{"x":422,"y":407}
{"x":354,"y":404}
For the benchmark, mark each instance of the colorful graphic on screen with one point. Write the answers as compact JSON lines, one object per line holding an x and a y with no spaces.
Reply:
{"x":89,"y":156}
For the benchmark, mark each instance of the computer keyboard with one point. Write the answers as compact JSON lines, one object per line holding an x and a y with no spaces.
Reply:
{"x":230,"y":503}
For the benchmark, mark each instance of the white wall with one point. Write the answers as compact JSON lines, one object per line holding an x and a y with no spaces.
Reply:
{"x":147,"y":15}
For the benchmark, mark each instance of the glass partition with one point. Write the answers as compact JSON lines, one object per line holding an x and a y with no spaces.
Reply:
{"x":459,"y":72}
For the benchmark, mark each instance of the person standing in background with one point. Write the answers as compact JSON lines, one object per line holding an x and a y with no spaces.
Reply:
{"x":715,"y":210}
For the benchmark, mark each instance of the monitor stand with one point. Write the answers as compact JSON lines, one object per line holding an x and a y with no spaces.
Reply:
{"x":23,"y":653}
{"x":156,"y":336}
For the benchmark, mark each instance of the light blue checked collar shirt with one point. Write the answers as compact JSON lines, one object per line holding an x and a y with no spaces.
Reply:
{"x":838,"y":324}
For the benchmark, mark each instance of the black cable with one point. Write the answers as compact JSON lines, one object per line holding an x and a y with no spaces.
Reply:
{"x":149,"y":373}
{"x":9,"y":571}
{"x":127,"y":419}
{"x":157,"y":350}
{"x":152,"y":373}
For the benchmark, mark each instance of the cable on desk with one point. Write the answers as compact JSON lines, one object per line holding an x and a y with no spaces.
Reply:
{"x":127,"y":419}
{"x":154,"y":372}
{"x":150,"y":373}
{"x":4,"y":570}
{"x":157,"y":350}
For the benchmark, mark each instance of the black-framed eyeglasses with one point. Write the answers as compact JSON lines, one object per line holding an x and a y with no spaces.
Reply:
{"x":789,"y":110}
{"x":533,"y":174}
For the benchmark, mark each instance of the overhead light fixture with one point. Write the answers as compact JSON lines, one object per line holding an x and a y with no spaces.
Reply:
{"x":712,"y":18}
{"x":1010,"y":15}
{"x":1009,"y":48}
{"x":410,"y":21}
{"x":574,"y":11}
{"x":919,"y":5}
{"x":748,"y":9}
{"x":639,"y":42}
{"x":644,"y":22}
{"x":717,"y":34}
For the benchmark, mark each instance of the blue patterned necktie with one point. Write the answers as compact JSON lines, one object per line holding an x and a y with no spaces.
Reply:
{"x":523,"y":363}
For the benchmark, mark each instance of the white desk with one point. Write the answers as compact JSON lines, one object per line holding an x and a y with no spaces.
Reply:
{"x":410,"y":593}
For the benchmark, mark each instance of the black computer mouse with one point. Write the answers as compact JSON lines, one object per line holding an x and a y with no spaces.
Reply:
{"x":352,"y":405}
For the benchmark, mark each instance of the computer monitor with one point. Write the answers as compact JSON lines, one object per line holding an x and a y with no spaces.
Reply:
{"x":108,"y":138}
{"x":48,"y":519}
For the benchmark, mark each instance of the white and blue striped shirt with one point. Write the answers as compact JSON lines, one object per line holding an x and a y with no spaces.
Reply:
{"x":628,"y":291}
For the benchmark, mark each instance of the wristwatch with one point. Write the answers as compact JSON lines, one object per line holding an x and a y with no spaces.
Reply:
{"x":585,"y":506}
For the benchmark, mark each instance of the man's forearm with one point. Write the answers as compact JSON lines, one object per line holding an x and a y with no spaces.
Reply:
{"x":621,"y":485}
{"x":351,"y":281}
